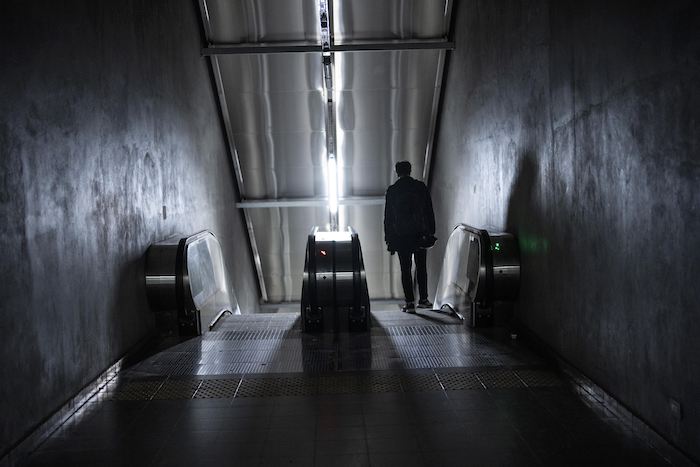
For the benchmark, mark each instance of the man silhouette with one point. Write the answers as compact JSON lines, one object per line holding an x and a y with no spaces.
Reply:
{"x":409,"y":227}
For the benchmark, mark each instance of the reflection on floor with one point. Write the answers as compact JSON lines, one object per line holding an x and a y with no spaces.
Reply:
{"x":416,"y":390}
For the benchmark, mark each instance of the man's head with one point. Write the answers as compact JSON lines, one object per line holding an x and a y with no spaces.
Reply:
{"x":403,"y":168}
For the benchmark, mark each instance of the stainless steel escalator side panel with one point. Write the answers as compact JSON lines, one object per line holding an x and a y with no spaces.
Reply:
{"x":334,"y":294}
{"x":463,"y":277}
{"x":187,"y":276}
{"x":506,"y":266}
{"x":479,"y":268}
{"x":161,"y":274}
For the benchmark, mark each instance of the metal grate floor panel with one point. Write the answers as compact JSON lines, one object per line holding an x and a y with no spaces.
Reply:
{"x":217,"y":389}
{"x":500,"y":379}
{"x":459,"y":381}
{"x":399,"y":380}
{"x":270,"y":387}
{"x":133,"y":390}
{"x":273,"y":344}
{"x":177,"y":389}
{"x":235,"y":395}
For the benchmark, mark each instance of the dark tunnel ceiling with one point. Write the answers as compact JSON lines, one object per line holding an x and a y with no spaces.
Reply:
{"x":279,"y":121}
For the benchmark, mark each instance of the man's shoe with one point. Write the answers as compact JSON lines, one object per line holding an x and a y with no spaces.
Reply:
{"x":409,"y":308}
{"x":425,"y":304}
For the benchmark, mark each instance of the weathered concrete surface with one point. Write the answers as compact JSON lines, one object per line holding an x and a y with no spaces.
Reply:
{"x":575,"y":125}
{"x":107,"y":114}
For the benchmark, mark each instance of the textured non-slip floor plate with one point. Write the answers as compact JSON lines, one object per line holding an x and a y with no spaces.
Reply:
{"x":217,"y":389}
{"x":416,"y":390}
{"x":274,"y":343}
{"x":398,"y":381}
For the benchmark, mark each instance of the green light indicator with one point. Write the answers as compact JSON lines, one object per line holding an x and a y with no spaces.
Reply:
{"x":497,"y":247}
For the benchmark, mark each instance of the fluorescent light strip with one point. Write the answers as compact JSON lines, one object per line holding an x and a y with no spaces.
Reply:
{"x":332,"y":184}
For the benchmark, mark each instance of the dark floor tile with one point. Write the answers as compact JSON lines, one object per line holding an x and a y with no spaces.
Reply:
{"x":524,"y":426}
{"x":431,"y":441}
{"x":342,"y":460}
{"x":327,"y":448}
{"x":100,"y":425}
{"x":431,"y":405}
{"x":181,"y":437}
{"x":393,"y":418}
{"x":339,"y":409}
{"x":280,"y":446}
{"x":394,"y":444}
{"x":502,"y":452}
{"x":437,"y":429}
{"x":598,"y":431}
{"x":161,"y":423}
{"x":206,"y":403}
{"x":118,"y":457}
{"x":462,"y":458}
{"x":326,"y":421}
{"x":391,"y":431}
{"x":341,"y":433}
{"x":593,"y":455}
{"x":478,"y":416}
{"x":295,"y":411}
{"x":388,"y":410}
{"x":437,"y":417}
{"x":205,"y":460}
{"x":201,"y":423}
{"x":394,"y":459}
{"x":378,"y":400}
{"x":514,"y":398}
{"x":488,"y":426}
{"x":292,"y":459}
{"x":253,"y":402}
{"x":478,"y":397}
{"x":340,"y":399}
{"x":75,"y":443}
{"x":536,"y":422}
{"x":227,"y":412}
{"x":291,"y":435}
{"x":245,"y":436}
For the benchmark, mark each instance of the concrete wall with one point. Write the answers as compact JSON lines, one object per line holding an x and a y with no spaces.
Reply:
{"x":575,"y":125}
{"x":106,"y":114}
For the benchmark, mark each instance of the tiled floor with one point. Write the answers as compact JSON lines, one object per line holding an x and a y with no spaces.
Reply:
{"x":417,"y":390}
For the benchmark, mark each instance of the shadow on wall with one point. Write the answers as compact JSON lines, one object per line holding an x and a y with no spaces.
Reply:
{"x":526,"y":221}
{"x":522,"y":216}
{"x":526,"y":218}
{"x":130,"y":309}
{"x":545,"y":260}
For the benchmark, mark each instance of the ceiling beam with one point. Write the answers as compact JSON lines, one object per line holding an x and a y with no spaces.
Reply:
{"x":218,"y":85}
{"x":305,"y":48}
{"x":309,"y":202}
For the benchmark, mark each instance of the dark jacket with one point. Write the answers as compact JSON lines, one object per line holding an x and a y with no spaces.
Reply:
{"x":408,"y":214}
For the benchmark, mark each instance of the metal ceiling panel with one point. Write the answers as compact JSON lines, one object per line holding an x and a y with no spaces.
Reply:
{"x":405,"y":69}
{"x":273,"y":72}
{"x":384,"y":102}
{"x":255,"y":21}
{"x":282,"y":165}
{"x":370,"y":157}
{"x":281,"y":234}
{"x":276,"y":113}
{"x":388,"y":109}
{"x":359,"y":20}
